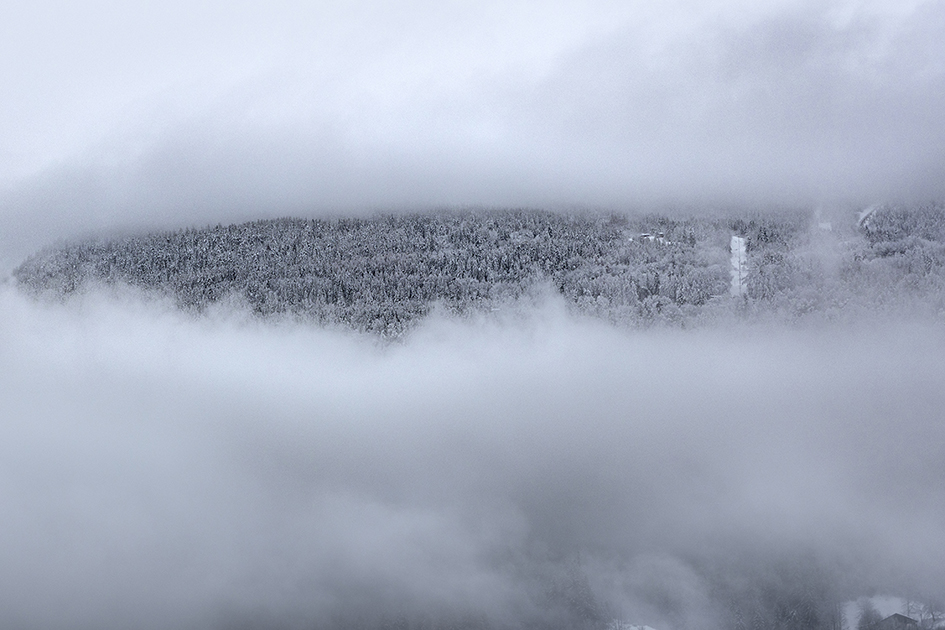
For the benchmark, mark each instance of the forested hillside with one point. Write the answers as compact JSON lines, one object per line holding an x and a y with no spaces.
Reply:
{"x":384,"y":273}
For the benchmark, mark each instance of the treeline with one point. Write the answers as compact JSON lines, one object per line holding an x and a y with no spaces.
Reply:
{"x":381,"y":274}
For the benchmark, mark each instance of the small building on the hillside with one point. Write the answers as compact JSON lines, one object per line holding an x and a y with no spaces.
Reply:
{"x":896,"y":622}
{"x":655,"y":237}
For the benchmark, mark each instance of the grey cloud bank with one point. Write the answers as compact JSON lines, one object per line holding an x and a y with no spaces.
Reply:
{"x":170,"y":115}
{"x":162,"y":471}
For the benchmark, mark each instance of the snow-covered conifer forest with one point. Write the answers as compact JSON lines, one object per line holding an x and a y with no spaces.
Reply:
{"x":383,"y":274}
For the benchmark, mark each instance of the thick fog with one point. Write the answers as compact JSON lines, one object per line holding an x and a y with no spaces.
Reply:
{"x":171,"y":113}
{"x":161,"y":471}
{"x":532,"y":469}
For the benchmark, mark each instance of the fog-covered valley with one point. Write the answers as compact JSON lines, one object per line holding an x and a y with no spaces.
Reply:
{"x":541,"y":471}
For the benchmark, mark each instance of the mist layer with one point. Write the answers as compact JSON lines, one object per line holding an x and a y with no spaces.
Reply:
{"x":163,"y":471}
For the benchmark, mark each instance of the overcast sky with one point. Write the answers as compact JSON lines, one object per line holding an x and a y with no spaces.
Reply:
{"x":174,"y":113}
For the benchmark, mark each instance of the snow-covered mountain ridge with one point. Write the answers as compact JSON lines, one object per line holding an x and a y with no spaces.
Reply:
{"x":382,"y":274}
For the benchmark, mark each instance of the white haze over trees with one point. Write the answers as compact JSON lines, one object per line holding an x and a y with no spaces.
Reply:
{"x":528,"y":467}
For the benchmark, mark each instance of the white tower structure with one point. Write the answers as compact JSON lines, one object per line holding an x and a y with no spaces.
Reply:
{"x":739,"y":267}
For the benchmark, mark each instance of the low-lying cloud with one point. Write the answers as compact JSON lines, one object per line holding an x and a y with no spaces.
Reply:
{"x":158,"y":470}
